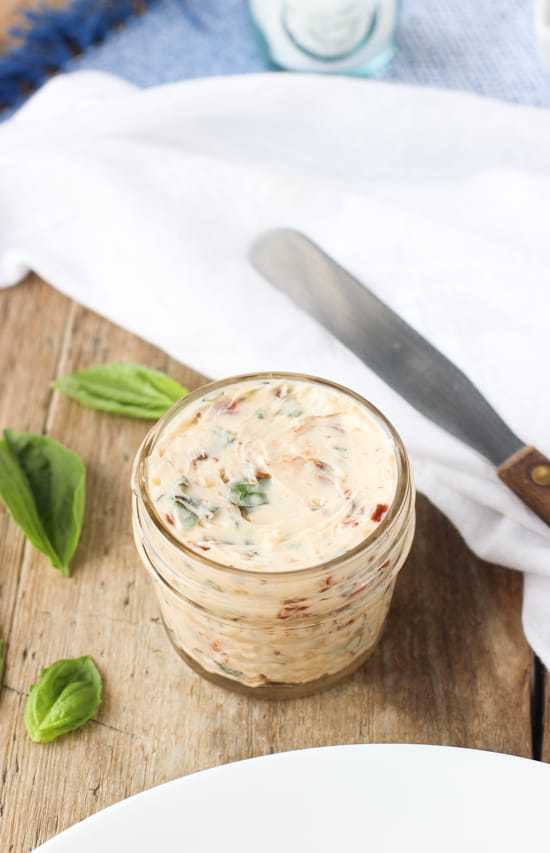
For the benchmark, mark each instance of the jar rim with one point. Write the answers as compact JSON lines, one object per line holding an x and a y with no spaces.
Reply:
{"x":402,"y":490}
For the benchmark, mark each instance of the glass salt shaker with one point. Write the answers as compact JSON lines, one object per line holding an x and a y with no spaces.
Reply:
{"x":331,"y":36}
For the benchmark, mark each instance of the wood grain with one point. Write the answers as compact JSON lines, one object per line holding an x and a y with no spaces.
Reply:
{"x":452,"y":667}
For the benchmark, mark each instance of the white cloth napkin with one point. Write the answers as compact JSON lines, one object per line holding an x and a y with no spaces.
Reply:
{"x":142,"y":205}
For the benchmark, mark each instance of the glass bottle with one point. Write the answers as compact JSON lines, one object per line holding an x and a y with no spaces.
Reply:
{"x":280,"y":633}
{"x":338,"y":36}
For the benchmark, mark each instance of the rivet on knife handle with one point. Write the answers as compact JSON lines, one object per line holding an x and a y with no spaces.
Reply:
{"x":527,"y":473}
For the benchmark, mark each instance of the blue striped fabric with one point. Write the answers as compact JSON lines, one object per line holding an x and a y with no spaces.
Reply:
{"x":47,"y":37}
{"x":484,"y":46}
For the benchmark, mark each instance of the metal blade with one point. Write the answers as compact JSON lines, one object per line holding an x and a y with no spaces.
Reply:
{"x":390,"y":347}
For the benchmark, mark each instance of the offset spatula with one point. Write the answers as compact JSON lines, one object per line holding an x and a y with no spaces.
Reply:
{"x":401,"y":357}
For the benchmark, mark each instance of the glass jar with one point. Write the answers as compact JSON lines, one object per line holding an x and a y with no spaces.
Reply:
{"x":332,"y":36}
{"x":277,"y":633}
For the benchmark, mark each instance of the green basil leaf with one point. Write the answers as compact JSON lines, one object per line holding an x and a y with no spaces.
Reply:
{"x":186,"y":516}
{"x":196,"y":507}
{"x":228,"y":669}
{"x":16,"y":493}
{"x":247,"y":494}
{"x":291,"y":408}
{"x":42,"y":484}
{"x":66,"y":696}
{"x":123,"y":389}
{"x":223,"y":437}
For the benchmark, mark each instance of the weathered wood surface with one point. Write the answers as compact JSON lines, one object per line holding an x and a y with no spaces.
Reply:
{"x":452,"y":668}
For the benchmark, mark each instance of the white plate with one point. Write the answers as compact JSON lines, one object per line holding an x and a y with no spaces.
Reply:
{"x":376,"y":798}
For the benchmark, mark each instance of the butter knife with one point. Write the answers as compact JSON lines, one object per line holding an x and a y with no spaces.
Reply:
{"x":401,"y":357}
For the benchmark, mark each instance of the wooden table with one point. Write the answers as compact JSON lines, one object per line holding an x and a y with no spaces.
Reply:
{"x":452,"y":668}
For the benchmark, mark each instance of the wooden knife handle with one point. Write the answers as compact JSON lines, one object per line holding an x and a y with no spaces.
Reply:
{"x":527,"y":473}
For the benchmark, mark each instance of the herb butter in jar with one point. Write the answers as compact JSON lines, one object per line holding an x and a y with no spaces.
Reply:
{"x":273,"y":512}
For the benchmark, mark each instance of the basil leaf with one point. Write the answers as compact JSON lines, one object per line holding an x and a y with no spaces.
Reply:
{"x":42,"y":484}
{"x":247,"y":494}
{"x":66,"y":696}
{"x":1,"y":660}
{"x":196,"y":507}
{"x":187,"y":518}
{"x":123,"y":389}
{"x":223,"y":437}
{"x":228,"y":669}
{"x":291,"y":408}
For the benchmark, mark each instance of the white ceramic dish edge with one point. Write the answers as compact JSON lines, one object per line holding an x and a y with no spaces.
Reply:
{"x":388,"y":798}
